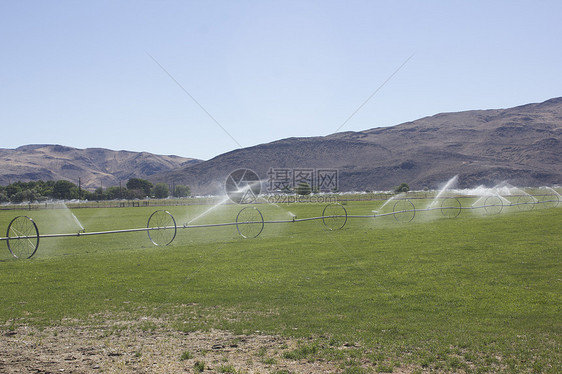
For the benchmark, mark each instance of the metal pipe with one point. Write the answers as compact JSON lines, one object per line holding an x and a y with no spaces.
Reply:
{"x":186,"y":226}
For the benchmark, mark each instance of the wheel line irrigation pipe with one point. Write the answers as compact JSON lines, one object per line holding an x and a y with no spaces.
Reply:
{"x":262,"y":222}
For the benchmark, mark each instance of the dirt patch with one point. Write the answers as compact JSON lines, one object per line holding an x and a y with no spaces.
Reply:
{"x":125,"y":349}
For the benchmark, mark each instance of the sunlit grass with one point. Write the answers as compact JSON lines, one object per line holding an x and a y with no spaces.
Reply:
{"x":474,"y":293}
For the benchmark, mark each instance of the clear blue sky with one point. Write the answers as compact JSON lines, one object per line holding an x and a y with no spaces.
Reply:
{"x":79,"y":73}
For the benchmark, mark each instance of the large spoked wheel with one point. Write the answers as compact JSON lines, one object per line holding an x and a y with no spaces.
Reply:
{"x":23,"y":237}
{"x":451,"y":207}
{"x":549,"y":200}
{"x":161,"y":228}
{"x":334,"y":216}
{"x":249,"y":222}
{"x":526,"y":202}
{"x":404,"y":210}
{"x":493,"y":205}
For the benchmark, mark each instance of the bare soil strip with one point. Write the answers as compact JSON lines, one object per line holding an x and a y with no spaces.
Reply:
{"x":87,"y":349}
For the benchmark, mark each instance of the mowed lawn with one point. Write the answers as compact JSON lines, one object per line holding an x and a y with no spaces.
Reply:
{"x":475,"y":293}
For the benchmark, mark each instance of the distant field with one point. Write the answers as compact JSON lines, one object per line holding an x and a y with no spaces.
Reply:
{"x":476,"y":293}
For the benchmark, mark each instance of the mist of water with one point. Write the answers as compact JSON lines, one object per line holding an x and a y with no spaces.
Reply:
{"x":77,"y":221}
{"x":555,"y":193}
{"x":208,"y":211}
{"x":64,"y":220}
{"x":500,"y":190}
{"x":450,"y":184}
{"x":381,"y":209}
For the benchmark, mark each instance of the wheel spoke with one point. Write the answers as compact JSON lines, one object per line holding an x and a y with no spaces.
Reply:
{"x":23,"y":237}
{"x":161,"y":228}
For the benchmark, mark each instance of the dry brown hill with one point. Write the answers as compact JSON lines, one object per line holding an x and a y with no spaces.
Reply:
{"x":521,"y":145}
{"x":94,"y":166}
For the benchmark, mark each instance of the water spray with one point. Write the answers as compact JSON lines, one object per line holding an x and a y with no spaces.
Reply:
{"x":22,"y":235}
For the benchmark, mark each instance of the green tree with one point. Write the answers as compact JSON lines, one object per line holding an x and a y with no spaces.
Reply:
{"x":161,"y":190}
{"x":112,"y":193}
{"x":403,"y":187}
{"x":17,"y":197}
{"x":12,"y":189}
{"x":140,"y":184}
{"x":65,"y":190}
{"x":133,"y":194}
{"x":303,"y":188}
{"x":88,"y":195}
{"x":181,"y":191}
{"x":98,"y":194}
{"x":45,"y":189}
{"x":31,"y":195}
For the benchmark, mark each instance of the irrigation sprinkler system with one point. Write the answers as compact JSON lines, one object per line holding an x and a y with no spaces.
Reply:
{"x":22,"y":235}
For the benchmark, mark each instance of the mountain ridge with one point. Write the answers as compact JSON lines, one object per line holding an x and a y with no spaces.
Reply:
{"x":520,"y":145}
{"x":94,"y":167}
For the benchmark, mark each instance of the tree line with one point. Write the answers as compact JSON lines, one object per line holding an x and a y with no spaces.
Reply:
{"x":136,"y":188}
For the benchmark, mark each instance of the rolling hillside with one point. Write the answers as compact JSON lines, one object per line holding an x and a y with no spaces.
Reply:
{"x":521,"y":145}
{"x":94,"y":166}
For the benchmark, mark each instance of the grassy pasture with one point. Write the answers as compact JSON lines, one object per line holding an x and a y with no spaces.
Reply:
{"x":477,"y":293}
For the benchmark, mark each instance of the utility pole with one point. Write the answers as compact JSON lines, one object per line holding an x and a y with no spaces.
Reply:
{"x":79,"y":189}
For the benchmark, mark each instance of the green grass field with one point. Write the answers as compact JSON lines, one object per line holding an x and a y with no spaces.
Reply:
{"x":477,"y":293}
